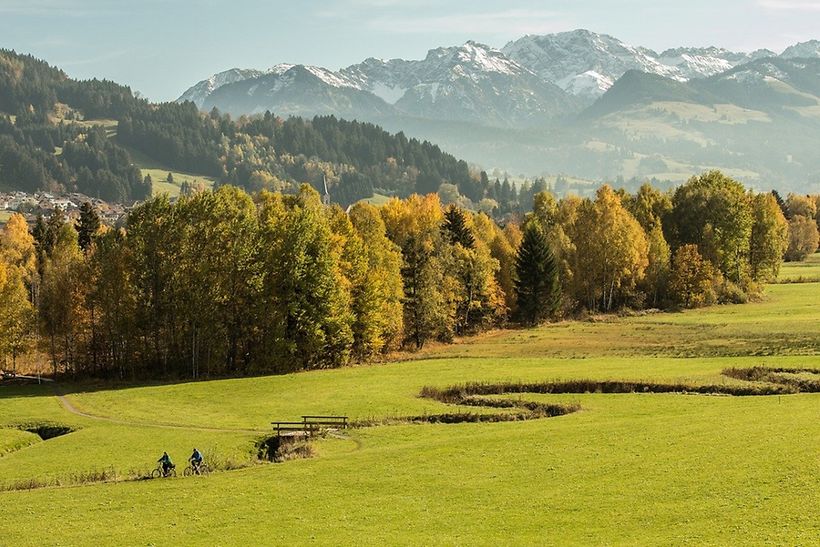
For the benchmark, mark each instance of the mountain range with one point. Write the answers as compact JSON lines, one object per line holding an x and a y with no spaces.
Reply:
{"x":576,"y":102}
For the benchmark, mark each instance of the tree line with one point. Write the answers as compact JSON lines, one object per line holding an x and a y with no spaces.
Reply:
{"x":225,"y":283}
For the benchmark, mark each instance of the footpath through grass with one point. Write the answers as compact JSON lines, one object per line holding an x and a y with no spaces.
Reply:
{"x":627,"y":468}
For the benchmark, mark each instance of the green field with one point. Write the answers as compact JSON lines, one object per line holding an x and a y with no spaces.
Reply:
{"x":631,"y":468}
{"x":159,"y":174}
{"x":808,"y":270}
{"x":5,"y":216}
{"x":377,"y":200}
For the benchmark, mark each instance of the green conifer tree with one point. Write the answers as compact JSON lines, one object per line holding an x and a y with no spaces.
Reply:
{"x":456,"y":227}
{"x":87,"y":226}
{"x":537,"y":285}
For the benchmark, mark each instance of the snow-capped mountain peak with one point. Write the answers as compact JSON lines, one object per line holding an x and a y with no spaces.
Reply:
{"x":810,"y":49}
{"x":281,"y":68}
{"x":487,"y":59}
{"x":586,"y":63}
{"x":526,"y":82}
{"x":199,"y":92}
{"x":579,"y":58}
{"x":329,"y":77}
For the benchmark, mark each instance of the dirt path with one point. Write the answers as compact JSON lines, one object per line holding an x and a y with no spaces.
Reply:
{"x":69,"y":407}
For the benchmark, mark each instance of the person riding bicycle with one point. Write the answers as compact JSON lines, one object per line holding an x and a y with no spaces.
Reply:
{"x":166,"y":463}
{"x":196,"y":459}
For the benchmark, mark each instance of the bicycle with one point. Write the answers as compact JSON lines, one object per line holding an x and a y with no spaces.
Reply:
{"x":160,"y":472}
{"x":201,"y":469}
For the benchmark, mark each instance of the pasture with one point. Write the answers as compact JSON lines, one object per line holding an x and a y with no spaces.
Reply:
{"x":657,"y":468}
{"x":806,"y":271}
{"x":159,"y":174}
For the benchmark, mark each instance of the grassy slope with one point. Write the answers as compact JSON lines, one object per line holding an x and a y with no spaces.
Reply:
{"x":377,"y":200}
{"x":159,"y":173}
{"x":628,"y":468}
{"x":12,"y":440}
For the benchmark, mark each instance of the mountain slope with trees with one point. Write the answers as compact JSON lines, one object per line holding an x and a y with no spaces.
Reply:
{"x":48,"y":143}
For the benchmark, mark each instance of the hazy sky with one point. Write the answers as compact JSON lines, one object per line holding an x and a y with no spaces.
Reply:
{"x":162,"y":47}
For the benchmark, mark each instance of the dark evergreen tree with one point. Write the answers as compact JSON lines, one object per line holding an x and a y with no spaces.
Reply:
{"x":455,"y":225}
{"x":506,"y":194}
{"x":537,"y":286}
{"x":782,"y":204}
{"x":39,"y":232}
{"x":87,"y":226}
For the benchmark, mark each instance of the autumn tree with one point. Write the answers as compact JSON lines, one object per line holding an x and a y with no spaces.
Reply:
{"x":152,"y":231}
{"x":18,"y":246}
{"x":610,"y":255}
{"x":18,"y":278}
{"x":690,"y":281}
{"x":649,"y":206}
{"x":803,"y":206}
{"x":414,"y":225}
{"x":503,"y":245}
{"x":803,"y":238}
{"x":769,"y":239}
{"x":478,"y":298}
{"x":714,"y":212}
{"x":216,"y":280}
{"x":658,"y":265}
{"x":62,"y":301}
{"x":377,"y":299}
{"x":306,"y":309}
{"x":114,"y":297}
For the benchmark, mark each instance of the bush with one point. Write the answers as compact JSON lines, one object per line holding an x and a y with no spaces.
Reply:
{"x":692,"y":280}
{"x":803,"y":238}
{"x":731,"y":293}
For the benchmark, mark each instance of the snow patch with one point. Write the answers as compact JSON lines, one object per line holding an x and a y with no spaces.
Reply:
{"x":486,"y":59}
{"x":281,"y":68}
{"x":389,"y":94}
{"x":330,"y":78}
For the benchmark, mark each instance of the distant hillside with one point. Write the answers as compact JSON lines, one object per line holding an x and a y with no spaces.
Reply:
{"x":45,"y":146}
{"x":49,"y":141}
{"x":768,"y":84}
{"x":635,"y":88}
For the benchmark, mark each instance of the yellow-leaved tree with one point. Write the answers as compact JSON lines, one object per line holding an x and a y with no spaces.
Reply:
{"x":377,"y":300}
{"x":611,"y":251}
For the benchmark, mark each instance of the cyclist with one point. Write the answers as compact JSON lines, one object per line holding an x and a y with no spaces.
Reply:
{"x":166,"y":463}
{"x":196,"y":460}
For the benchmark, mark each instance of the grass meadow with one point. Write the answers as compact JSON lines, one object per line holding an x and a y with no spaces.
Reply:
{"x":159,"y":174}
{"x":627,"y":468}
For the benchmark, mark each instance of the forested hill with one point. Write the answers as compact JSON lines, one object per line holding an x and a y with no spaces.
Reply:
{"x":49,"y":141}
{"x":267,"y":152}
{"x":44,"y":146}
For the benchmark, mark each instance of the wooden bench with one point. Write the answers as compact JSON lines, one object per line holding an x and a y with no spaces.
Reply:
{"x":310,"y":425}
